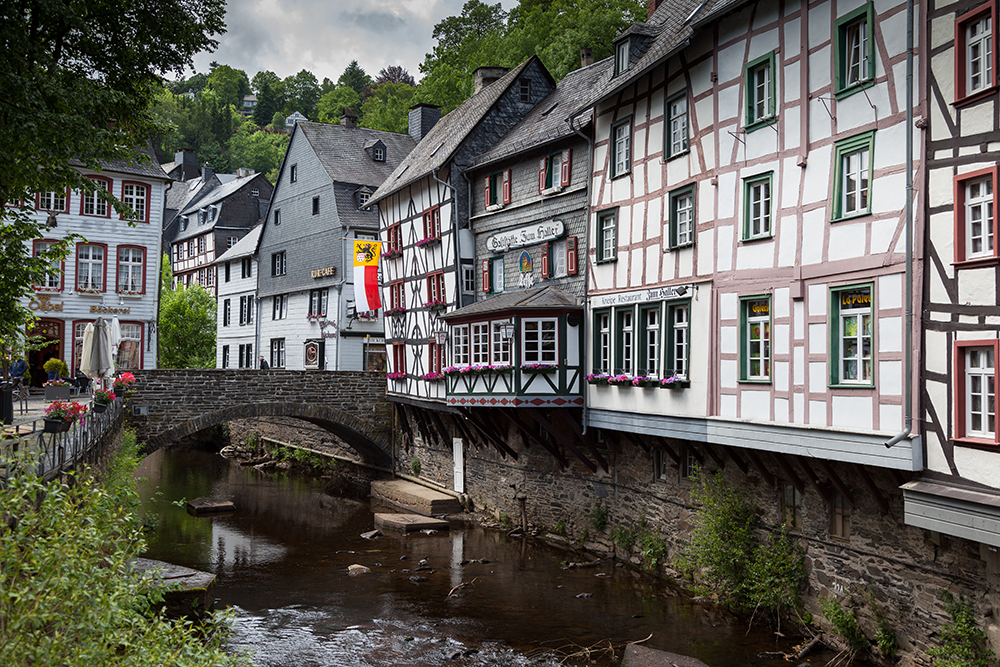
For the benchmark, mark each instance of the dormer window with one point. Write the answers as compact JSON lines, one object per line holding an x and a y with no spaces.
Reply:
{"x":255,"y":192}
{"x":525,"y":92}
{"x":621,"y":56}
{"x":363,"y":198}
{"x":378,"y":154}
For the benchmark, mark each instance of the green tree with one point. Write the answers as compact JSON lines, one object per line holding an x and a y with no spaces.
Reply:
{"x":394,"y":74}
{"x":257,"y":149}
{"x":229,"y":85}
{"x":332,"y":104}
{"x":187,"y":328}
{"x":264,"y":78}
{"x":302,"y":93}
{"x":78,"y":79}
{"x":355,"y":77}
{"x":388,"y":107}
{"x":267,"y":104}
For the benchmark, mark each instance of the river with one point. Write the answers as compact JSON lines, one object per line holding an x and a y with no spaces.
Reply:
{"x":281,"y":561}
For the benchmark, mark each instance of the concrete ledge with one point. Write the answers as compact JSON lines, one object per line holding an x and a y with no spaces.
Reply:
{"x":409,"y":523}
{"x":186,"y":592}
{"x":415,"y":498}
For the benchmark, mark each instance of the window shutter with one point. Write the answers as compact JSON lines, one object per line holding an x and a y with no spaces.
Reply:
{"x":545,"y":260}
{"x":487,"y":277}
{"x":566,"y":168}
{"x":486,"y":192}
{"x":541,"y":174}
{"x":506,"y":186}
{"x":427,"y":217}
{"x":571,"y":255}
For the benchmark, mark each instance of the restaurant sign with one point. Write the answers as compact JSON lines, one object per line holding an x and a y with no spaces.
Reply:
{"x":540,"y":232}
{"x":640,"y":296}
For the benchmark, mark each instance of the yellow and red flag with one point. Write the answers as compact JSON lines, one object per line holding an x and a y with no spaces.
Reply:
{"x":366,"y":290}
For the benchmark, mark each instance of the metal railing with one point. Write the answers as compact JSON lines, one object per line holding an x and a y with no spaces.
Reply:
{"x":49,"y":455}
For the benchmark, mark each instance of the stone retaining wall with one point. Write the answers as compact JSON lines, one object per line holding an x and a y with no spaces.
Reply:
{"x":900,"y":565}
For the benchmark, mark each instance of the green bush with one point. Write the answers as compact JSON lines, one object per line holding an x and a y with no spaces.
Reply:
{"x":624,"y":537}
{"x":68,"y":595}
{"x":652,"y":550}
{"x":415,"y":466}
{"x":845,"y":623}
{"x":56,"y":365}
{"x":599,"y":517}
{"x":963,"y":642}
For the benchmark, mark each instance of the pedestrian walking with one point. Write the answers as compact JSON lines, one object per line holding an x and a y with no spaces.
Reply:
{"x":263,"y":364}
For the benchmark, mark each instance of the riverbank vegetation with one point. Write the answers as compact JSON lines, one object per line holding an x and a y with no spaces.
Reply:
{"x":68,"y":594}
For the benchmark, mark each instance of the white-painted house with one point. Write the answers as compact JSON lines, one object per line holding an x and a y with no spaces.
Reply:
{"x":748,"y":232}
{"x":236,"y":315}
{"x":112,"y":272}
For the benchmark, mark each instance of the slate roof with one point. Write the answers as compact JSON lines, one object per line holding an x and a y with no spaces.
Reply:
{"x":673,"y":24}
{"x":217,"y":194}
{"x":438,"y":145}
{"x":341,"y":151}
{"x":536,"y":298}
{"x":347,"y":207}
{"x":546,"y":122}
{"x":184,"y":193}
{"x":138,"y":167}
{"x":245,"y":247}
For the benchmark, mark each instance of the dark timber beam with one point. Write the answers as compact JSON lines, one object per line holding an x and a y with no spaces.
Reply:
{"x":489,"y":437}
{"x":539,"y":417}
{"x":719,"y":460}
{"x":737,"y":459}
{"x":570,"y":418}
{"x":883,"y":505}
{"x":482,"y":419}
{"x":635,"y":439}
{"x":528,"y":434}
{"x":466,"y":433}
{"x":838,"y":483}
{"x":897,"y":478}
{"x":759,"y":466}
{"x":786,"y":468}
{"x":401,"y":418}
{"x":814,"y":480}
{"x":442,"y":430}
{"x":664,"y":444}
{"x":422,"y":426}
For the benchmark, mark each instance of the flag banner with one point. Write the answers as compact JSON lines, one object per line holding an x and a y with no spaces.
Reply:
{"x":366,"y":289}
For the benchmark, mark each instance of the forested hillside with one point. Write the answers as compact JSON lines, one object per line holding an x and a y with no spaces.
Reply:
{"x":202,"y":110}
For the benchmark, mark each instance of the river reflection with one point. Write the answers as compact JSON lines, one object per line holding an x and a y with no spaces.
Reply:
{"x":282,"y":560}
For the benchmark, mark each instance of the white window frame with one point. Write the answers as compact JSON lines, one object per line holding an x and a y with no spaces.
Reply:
{"x":980,"y":392}
{"x":497,"y":275}
{"x":603,"y":342}
{"x":480,"y":332}
{"x":677,"y":125}
{"x":621,"y":148}
{"x":460,"y":348}
{"x":277,"y":354}
{"x":855,"y":183}
{"x":680,"y":329}
{"x":862,"y":343}
{"x":130,"y":269}
{"x":129,"y":354}
{"x":134,"y":196}
{"x":979,"y":218}
{"x":318,"y":301}
{"x":87,"y":264}
{"x":856,"y":66}
{"x":501,"y":346}
{"x":53,"y":277}
{"x":279,"y":307}
{"x":540,"y":340}
{"x":651,"y":324}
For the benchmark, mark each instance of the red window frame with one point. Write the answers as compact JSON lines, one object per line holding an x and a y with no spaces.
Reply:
{"x":38,"y":203}
{"x":435,"y":286}
{"x":149,"y":192}
{"x":960,"y":222}
{"x":118,"y":266}
{"x":83,"y":199}
{"x":961,"y":95}
{"x":62,"y":267}
{"x":76,"y":268}
{"x":435,"y":357}
{"x":432,"y":222}
{"x":958,"y":389}
{"x":398,"y":358}
{"x":397,"y":292}
{"x":395,"y":236}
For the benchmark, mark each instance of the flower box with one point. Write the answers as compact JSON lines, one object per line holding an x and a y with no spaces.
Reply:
{"x":56,"y":425}
{"x":597,"y":378}
{"x":398,"y":375}
{"x":620,"y":380}
{"x":644,"y":381}
{"x":435,"y":305}
{"x":429,"y":242}
{"x":433,"y":377}
{"x":398,"y":311}
{"x":99,"y":407}
{"x":539,"y":368}
{"x":673,"y":382}
{"x":392,"y":254}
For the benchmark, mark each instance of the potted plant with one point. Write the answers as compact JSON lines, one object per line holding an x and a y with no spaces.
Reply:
{"x":621,"y":380}
{"x":433,"y":377}
{"x":56,"y":368}
{"x":57,"y":390}
{"x":396,"y":376}
{"x":672,"y":382}
{"x":644,"y":381}
{"x":102,"y":399}
{"x":597,"y":378}
{"x":123,"y":381}
{"x":59,"y":415}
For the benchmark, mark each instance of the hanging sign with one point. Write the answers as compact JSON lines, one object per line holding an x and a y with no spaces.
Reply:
{"x":522,"y":236}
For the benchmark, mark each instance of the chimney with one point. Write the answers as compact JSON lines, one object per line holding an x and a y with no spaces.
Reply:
{"x":586,"y":57}
{"x":422,"y":118}
{"x":651,"y":6}
{"x":187,"y":160}
{"x":206,"y":173}
{"x":484,"y":76}
{"x":349,"y":118}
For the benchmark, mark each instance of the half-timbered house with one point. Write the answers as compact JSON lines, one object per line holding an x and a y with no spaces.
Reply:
{"x":235,"y":333}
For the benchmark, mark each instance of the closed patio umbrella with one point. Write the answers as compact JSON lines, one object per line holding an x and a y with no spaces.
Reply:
{"x":98,"y":356}
{"x":116,"y":334}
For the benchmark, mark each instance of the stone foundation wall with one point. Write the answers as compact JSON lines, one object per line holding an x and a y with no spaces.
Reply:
{"x":899,"y":565}
{"x":290,"y":431}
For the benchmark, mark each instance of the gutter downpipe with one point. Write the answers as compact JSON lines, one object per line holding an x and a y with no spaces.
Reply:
{"x":586,"y":236}
{"x":908,"y":341}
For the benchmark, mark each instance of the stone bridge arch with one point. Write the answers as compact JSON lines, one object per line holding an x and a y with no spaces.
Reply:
{"x":168,"y":405}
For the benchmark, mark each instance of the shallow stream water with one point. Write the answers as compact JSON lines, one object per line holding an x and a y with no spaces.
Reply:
{"x":281,"y":561}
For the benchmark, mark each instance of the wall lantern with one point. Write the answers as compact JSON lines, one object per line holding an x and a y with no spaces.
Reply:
{"x":508,"y":331}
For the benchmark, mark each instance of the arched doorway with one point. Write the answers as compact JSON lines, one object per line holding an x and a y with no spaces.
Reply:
{"x":52,"y":332}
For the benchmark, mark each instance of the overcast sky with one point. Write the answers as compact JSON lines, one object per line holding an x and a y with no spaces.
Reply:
{"x":324,"y":36}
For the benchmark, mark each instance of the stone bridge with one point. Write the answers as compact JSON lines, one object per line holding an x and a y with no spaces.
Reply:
{"x":167,"y":405}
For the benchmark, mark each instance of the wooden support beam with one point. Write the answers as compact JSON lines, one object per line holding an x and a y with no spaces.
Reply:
{"x":422,"y":424}
{"x":883,"y":505}
{"x":485,"y":420}
{"x":838,"y":483}
{"x":636,"y":439}
{"x":442,"y":430}
{"x":897,"y":478}
{"x":528,"y":434}
{"x":570,"y":418}
{"x":664,"y":444}
{"x":402,"y":419}
{"x":689,"y":448}
{"x":501,"y":446}
{"x":823,"y":492}
{"x":759,"y":466}
{"x":786,"y":468}
{"x":719,"y":460}
{"x":737,"y":459}
{"x":466,"y":433}
{"x":539,"y":417}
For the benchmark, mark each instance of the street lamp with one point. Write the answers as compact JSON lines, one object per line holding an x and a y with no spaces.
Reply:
{"x":508,"y":331}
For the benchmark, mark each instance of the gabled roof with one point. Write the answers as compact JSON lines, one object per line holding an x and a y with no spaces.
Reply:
{"x":245,"y":247}
{"x":673,"y":23}
{"x":536,"y":298}
{"x":137,"y":167}
{"x":546,"y":122}
{"x":341,"y":151}
{"x":220,"y":192}
{"x":347,"y":207}
{"x":447,"y":135}
{"x":183,"y":194}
